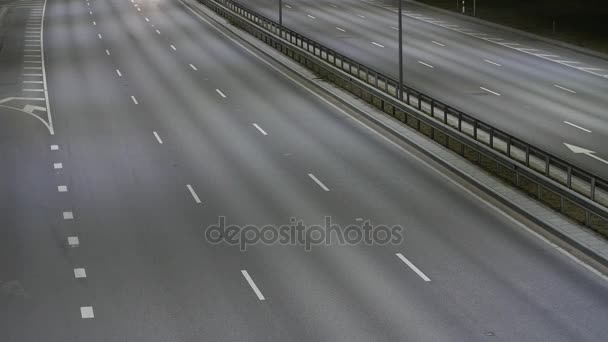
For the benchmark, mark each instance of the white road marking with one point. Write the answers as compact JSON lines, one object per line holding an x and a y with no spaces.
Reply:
{"x":311,"y":17}
{"x":220,"y":92}
{"x":361,"y":16}
{"x":489,"y":91}
{"x":253,"y":285}
{"x":287,"y":6}
{"x":489,"y":61}
{"x":94,"y":23}
{"x":577,"y":126}
{"x":173,"y":47}
{"x":395,"y":28}
{"x":138,"y":9}
{"x":438,"y":172}
{"x":378,"y":44}
{"x":80,"y":273}
{"x":194,"y":195}
{"x":86,"y":312}
{"x":34,"y":90}
{"x":425,"y":64}
{"x":436,"y":43}
{"x":318,"y":182}
{"x":134,"y":99}
{"x":62,"y":188}
{"x":35,"y":62}
{"x":413,"y":267}
{"x":160,"y":141}
{"x":193,"y":67}
{"x":147,"y":19}
{"x":68,"y":215}
{"x":57,"y":166}
{"x":99,"y":36}
{"x":36,"y":82}
{"x":332,"y":5}
{"x":118,"y":73}
{"x":564,"y":88}
{"x":340,"y":29}
{"x":32,"y":68}
{"x":260,"y":129}
{"x":157,"y":31}
{"x":54,"y":147}
{"x":107,"y":52}
{"x":32,"y":75}
{"x":73,"y":241}
{"x":90,"y":12}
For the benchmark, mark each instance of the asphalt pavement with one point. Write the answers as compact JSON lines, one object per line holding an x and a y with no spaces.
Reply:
{"x":541,"y":93}
{"x":162,"y":124}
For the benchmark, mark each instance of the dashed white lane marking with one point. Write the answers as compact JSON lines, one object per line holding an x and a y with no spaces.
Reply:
{"x":62,"y":188}
{"x":107,"y":52}
{"x":94,"y":23}
{"x":80,"y":273}
{"x":134,"y":99}
{"x":378,"y":45}
{"x":147,"y":19}
{"x":413,"y":267}
{"x":361,"y":16}
{"x":32,"y":82}
{"x":489,"y":61}
{"x":157,"y":32}
{"x":86,"y":312}
{"x":425,"y":64}
{"x":332,"y":5}
{"x":577,"y":126}
{"x":311,"y":17}
{"x":99,"y":36}
{"x":68,"y":215}
{"x":35,"y":62}
{"x":37,"y":75}
{"x":395,"y":28}
{"x":319,"y":183}
{"x":118,"y":73}
{"x":287,"y":6}
{"x":91,"y":12}
{"x":73,"y":241}
{"x":193,"y":67}
{"x":564,"y":88}
{"x":34,"y":90}
{"x":193,"y":193}
{"x":160,"y":141}
{"x":138,"y":9}
{"x":220,"y":92}
{"x":259,"y":129}
{"x":173,"y":47}
{"x":54,"y":147}
{"x":489,"y":91}
{"x":57,"y":166}
{"x":340,"y":29}
{"x":437,"y":43}
{"x":253,"y":285}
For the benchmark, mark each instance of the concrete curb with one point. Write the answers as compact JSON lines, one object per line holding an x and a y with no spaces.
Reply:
{"x":384,"y":121}
{"x":551,"y":41}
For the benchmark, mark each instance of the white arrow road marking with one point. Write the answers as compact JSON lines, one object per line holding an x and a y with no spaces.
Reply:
{"x":580,"y":150}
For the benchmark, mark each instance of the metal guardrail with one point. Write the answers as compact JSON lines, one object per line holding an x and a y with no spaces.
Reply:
{"x":561,"y":185}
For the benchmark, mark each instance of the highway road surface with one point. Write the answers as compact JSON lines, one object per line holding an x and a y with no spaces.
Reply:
{"x":161,"y":124}
{"x":536,"y":91}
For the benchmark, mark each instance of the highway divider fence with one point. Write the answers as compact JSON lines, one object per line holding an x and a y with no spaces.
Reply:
{"x":562,"y":186}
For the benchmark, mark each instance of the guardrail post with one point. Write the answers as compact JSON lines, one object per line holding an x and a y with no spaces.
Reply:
{"x":528,"y":155}
{"x":459,"y":122}
{"x":569,"y":179}
{"x":509,"y":146}
{"x":432,"y":108}
{"x":475,"y":124}
{"x":547,"y":166}
{"x":492,"y":137}
{"x":592,"y":189}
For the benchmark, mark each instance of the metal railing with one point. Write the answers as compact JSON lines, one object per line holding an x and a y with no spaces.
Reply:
{"x":575,"y":192}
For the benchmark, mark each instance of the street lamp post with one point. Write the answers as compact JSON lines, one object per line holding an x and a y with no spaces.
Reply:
{"x":400,"y":53}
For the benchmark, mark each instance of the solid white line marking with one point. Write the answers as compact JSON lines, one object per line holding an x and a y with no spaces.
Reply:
{"x":436,"y":43}
{"x":260,"y":129}
{"x":160,"y":141}
{"x":413,"y":267}
{"x":36,"y":82}
{"x":54,"y":147}
{"x":134,"y":99}
{"x":107,"y":52}
{"x":311,"y":17}
{"x":68,"y":215}
{"x":118,"y":73}
{"x":318,"y":182}
{"x":35,"y":62}
{"x":173,"y":47}
{"x":488,"y":61}
{"x":57,"y":166}
{"x":577,"y":126}
{"x":220,"y":92}
{"x":80,"y":273}
{"x":73,"y":241}
{"x":193,"y":67}
{"x":99,"y":36}
{"x":378,"y":44}
{"x":86,"y":312}
{"x":32,"y":75}
{"x":253,"y":285}
{"x":425,"y":64}
{"x":194,"y":195}
{"x":32,"y":68}
{"x":564,"y":88}
{"x":62,"y":188}
{"x":340,"y":29}
{"x":35,"y":90}
{"x":489,"y":91}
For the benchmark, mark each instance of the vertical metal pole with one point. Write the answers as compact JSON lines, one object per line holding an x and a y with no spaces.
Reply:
{"x":474,"y":8}
{"x":400,"y":53}
{"x":281,"y":14}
